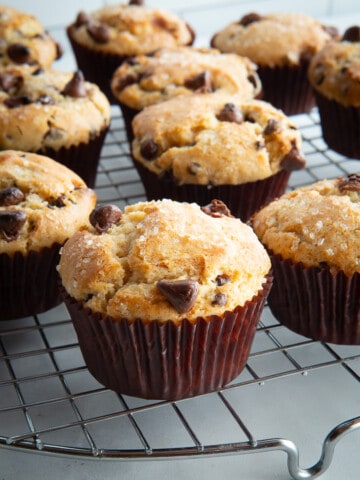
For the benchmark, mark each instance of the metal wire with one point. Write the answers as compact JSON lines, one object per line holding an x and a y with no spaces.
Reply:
{"x":50,"y":403}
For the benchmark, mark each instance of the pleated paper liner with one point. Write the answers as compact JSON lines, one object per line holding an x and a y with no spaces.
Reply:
{"x":287,"y":88}
{"x":29,"y":283}
{"x":167,"y":360}
{"x":315,"y":303}
{"x":82,"y":159}
{"x":340,"y":126}
{"x":243,"y":200}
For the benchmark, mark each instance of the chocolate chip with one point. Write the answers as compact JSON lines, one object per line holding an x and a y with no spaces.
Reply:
{"x":254,"y":80}
{"x":220,"y":299}
{"x":59,"y":51}
{"x":11,"y":222}
{"x":180,"y":293}
{"x":194,"y":168}
{"x":149,"y":149}
{"x":200,"y":83}
{"x":104,"y":216}
{"x":259,"y":144}
{"x":136,"y":2}
{"x":11,"y":196}
{"x":222,"y":279}
{"x":17,"y":101}
{"x":59,"y":202}
{"x":46,"y":100}
{"x":125,"y":80}
{"x":293,"y":160}
{"x":216,"y":209}
{"x":99,"y":32}
{"x":271,"y":127}
{"x":319,"y":74}
{"x":352,"y":34}
{"x":19,"y":53}
{"x":231,"y":113}
{"x":250,"y":18}
{"x":76,"y":86}
{"x":351,"y":183}
{"x":38,"y":71}
{"x":9,"y":80}
{"x":82,"y":19}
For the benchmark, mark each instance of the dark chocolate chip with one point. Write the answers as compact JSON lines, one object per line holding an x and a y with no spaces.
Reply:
{"x":136,"y":2}
{"x":104,"y":216}
{"x":9,"y":81}
{"x":352,"y":34}
{"x":271,"y":127}
{"x":76,"y":86}
{"x":11,"y":222}
{"x":293,"y":160}
{"x":231,"y":113}
{"x":216,"y":209}
{"x":126,"y":80}
{"x":149,"y":149}
{"x":59,"y":202}
{"x":59,"y":51}
{"x":220,"y":299}
{"x":11,"y":196}
{"x":99,"y":32}
{"x":82,"y":19}
{"x":351,"y":183}
{"x":38,"y":71}
{"x":19,"y":53}
{"x":200,"y":83}
{"x":194,"y":168}
{"x":180,"y":293}
{"x":250,"y":18}
{"x":17,"y":101}
{"x":254,"y":80}
{"x":259,"y":144}
{"x":222,"y":279}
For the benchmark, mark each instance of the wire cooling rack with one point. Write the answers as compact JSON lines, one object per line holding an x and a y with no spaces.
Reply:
{"x":283,"y":400}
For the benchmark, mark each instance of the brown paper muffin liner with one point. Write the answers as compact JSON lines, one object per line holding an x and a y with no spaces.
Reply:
{"x":287,"y":88}
{"x":29,"y":283}
{"x":242,"y":200}
{"x":82,"y":159}
{"x":315,"y":303}
{"x":164,"y":360}
{"x":340,"y":126}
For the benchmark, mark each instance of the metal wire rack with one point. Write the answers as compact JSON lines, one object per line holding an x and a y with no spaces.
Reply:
{"x":50,"y":403}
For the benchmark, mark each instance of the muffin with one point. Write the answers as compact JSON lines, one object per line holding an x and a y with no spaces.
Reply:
{"x":42,"y":203}
{"x":145,"y":80}
{"x":334,"y":74}
{"x":23,"y":40}
{"x":204,"y":146}
{"x":56,"y":114}
{"x":313,"y":237}
{"x":281,"y":44}
{"x":102,"y":39}
{"x":165,"y":319}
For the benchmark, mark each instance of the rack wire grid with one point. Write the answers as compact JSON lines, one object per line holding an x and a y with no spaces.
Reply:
{"x":50,"y":403}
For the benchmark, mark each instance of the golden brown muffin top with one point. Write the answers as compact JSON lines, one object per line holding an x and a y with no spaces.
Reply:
{"x":316,"y":225}
{"x":42,"y":109}
{"x":335,"y":70}
{"x":275,"y":39}
{"x":130,"y":29}
{"x":23,"y":40}
{"x":41,"y":202}
{"x":215,"y":139}
{"x":145,"y":80}
{"x":163,"y":260}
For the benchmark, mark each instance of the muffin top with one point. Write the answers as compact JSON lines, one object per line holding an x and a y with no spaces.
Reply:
{"x":130,"y":29}
{"x":276,"y":39}
{"x":23,"y":40}
{"x":168,"y":72}
{"x":335,"y":70}
{"x":316,"y":225}
{"x":215,"y":140}
{"x":41,"y":202}
{"x":163,"y":260}
{"x":42,"y":109}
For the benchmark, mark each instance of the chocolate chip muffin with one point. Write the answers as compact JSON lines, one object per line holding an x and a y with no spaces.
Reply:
{"x":281,"y":44}
{"x":53,"y":113}
{"x":42,"y":203}
{"x":334,"y":74}
{"x":313,"y":237}
{"x":204,"y":146}
{"x":101,"y":40}
{"x":24,"y":41}
{"x":165,"y":319}
{"x":145,"y":80}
